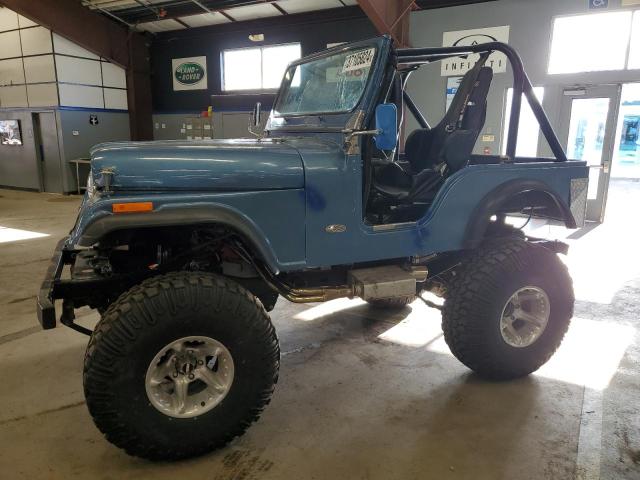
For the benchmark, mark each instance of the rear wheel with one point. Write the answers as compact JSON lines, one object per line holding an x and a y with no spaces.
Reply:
{"x":395,"y":303}
{"x":508,"y":309}
{"x":180,"y":365}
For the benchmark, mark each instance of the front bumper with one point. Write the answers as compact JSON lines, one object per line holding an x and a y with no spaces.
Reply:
{"x":84,"y":287}
{"x":46,"y":295}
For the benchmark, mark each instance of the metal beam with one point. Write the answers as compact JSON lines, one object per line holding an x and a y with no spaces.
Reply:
{"x":105,"y":38}
{"x":429,"y":4}
{"x":390,"y":17}
{"x":184,"y":8}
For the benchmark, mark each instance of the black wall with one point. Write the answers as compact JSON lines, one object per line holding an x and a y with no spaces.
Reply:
{"x":313,"y":31}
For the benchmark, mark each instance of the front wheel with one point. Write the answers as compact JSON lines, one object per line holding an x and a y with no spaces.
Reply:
{"x":180,"y":365}
{"x":508,"y":309}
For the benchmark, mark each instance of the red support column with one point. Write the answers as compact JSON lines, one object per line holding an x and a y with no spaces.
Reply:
{"x":390,"y":17}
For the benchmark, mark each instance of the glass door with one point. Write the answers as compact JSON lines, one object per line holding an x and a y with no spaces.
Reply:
{"x":588,"y":124}
{"x":626,"y":156}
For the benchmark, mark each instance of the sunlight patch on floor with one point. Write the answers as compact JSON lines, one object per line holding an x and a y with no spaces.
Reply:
{"x":589,"y":355}
{"x":419,"y":329}
{"x":596,"y":280}
{"x":328,"y":308}
{"x":15,"y":234}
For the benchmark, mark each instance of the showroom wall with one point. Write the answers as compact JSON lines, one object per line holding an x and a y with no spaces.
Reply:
{"x":40,"y":72}
{"x":312,"y":31}
{"x":531,"y":25}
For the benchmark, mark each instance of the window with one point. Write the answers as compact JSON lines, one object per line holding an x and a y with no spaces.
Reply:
{"x":327,"y":85}
{"x":259,"y":68}
{"x":590,"y":43}
{"x":634,"y":53}
{"x":529,"y":131}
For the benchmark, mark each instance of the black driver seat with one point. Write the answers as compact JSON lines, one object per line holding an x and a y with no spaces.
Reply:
{"x":433,"y":154}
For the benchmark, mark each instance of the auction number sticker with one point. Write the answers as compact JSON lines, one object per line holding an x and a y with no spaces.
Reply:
{"x":358,"y":60}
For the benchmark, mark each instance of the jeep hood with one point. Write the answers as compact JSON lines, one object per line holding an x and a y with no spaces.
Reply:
{"x":217,"y":165}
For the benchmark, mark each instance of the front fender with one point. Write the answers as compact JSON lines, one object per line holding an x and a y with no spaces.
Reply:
{"x":277,"y":237}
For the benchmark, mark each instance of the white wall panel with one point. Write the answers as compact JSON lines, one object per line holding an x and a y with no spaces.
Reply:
{"x":116,"y":99}
{"x":24,"y":22}
{"x":8,"y":19}
{"x":11,"y":71}
{"x":39,"y":69}
{"x":113,"y":76}
{"x":62,"y":45}
{"x":15,"y":96}
{"x":80,"y":96}
{"x":78,"y":70}
{"x":35,"y":41}
{"x":43,"y":95}
{"x":10,"y":44}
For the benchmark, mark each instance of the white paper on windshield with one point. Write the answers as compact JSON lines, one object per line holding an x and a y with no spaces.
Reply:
{"x":358,"y":60}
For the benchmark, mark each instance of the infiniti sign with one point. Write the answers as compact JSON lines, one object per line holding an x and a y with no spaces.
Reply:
{"x":459,"y":66}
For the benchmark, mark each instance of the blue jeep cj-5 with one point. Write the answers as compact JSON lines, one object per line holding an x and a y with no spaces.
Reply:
{"x":183,"y":247}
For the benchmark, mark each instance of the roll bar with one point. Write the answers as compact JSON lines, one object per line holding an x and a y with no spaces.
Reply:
{"x":521,"y":85}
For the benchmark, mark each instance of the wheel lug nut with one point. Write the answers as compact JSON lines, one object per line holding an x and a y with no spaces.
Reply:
{"x":175,"y":374}
{"x":191,"y":376}
{"x":200,"y":362}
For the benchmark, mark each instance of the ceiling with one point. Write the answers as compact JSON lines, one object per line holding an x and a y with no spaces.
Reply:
{"x":165,"y":15}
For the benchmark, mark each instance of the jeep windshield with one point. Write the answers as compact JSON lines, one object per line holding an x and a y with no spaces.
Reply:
{"x":332,"y":84}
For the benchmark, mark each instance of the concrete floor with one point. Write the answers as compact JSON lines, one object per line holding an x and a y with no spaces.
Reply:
{"x":361,"y":395}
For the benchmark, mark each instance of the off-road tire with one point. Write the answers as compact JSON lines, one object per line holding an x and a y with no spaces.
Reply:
{"x":480,"y":290}
{"x":395,"y":303}
{"x":153,"y":314}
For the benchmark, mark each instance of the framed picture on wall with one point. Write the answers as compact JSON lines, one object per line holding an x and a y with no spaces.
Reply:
{"x":10,"y":132}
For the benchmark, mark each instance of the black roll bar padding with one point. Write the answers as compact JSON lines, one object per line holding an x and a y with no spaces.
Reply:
{"x":399,"y":101}
{"x":521,"y":85}
{"x":415,"y":111}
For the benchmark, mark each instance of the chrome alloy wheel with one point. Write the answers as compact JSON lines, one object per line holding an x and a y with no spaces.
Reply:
{"x":525,"y":317}
{"x":189,"y":377}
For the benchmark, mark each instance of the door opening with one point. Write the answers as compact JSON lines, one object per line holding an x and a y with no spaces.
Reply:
{"x":626,"y":153}
{"x":48,"y":151}
{"x":588,"y":123}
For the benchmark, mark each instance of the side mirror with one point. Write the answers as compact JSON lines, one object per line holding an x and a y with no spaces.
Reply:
{"x":387,"y":126}
{"x":256,"y":114}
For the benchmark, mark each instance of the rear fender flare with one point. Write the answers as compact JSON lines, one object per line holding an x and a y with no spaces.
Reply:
{"x":490,"y":204}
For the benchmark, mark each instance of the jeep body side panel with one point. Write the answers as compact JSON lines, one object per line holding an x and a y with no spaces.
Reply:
{"x":446,"y":223}
{"x":333,"y":194}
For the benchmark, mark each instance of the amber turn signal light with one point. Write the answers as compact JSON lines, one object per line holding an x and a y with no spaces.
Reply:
{"x":134,"y":207}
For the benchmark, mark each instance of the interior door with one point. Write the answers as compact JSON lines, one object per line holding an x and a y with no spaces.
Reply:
{"x":587,"y":127}
{"x":46,"y":135}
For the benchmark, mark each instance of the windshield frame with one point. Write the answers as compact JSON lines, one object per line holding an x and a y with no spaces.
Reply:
{"x":319,"y":56}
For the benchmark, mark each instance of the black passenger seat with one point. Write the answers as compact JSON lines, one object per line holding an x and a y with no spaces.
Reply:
{"x":433,"y":154}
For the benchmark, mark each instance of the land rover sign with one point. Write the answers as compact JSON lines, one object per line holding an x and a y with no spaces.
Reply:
{"x":189,"y":73}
